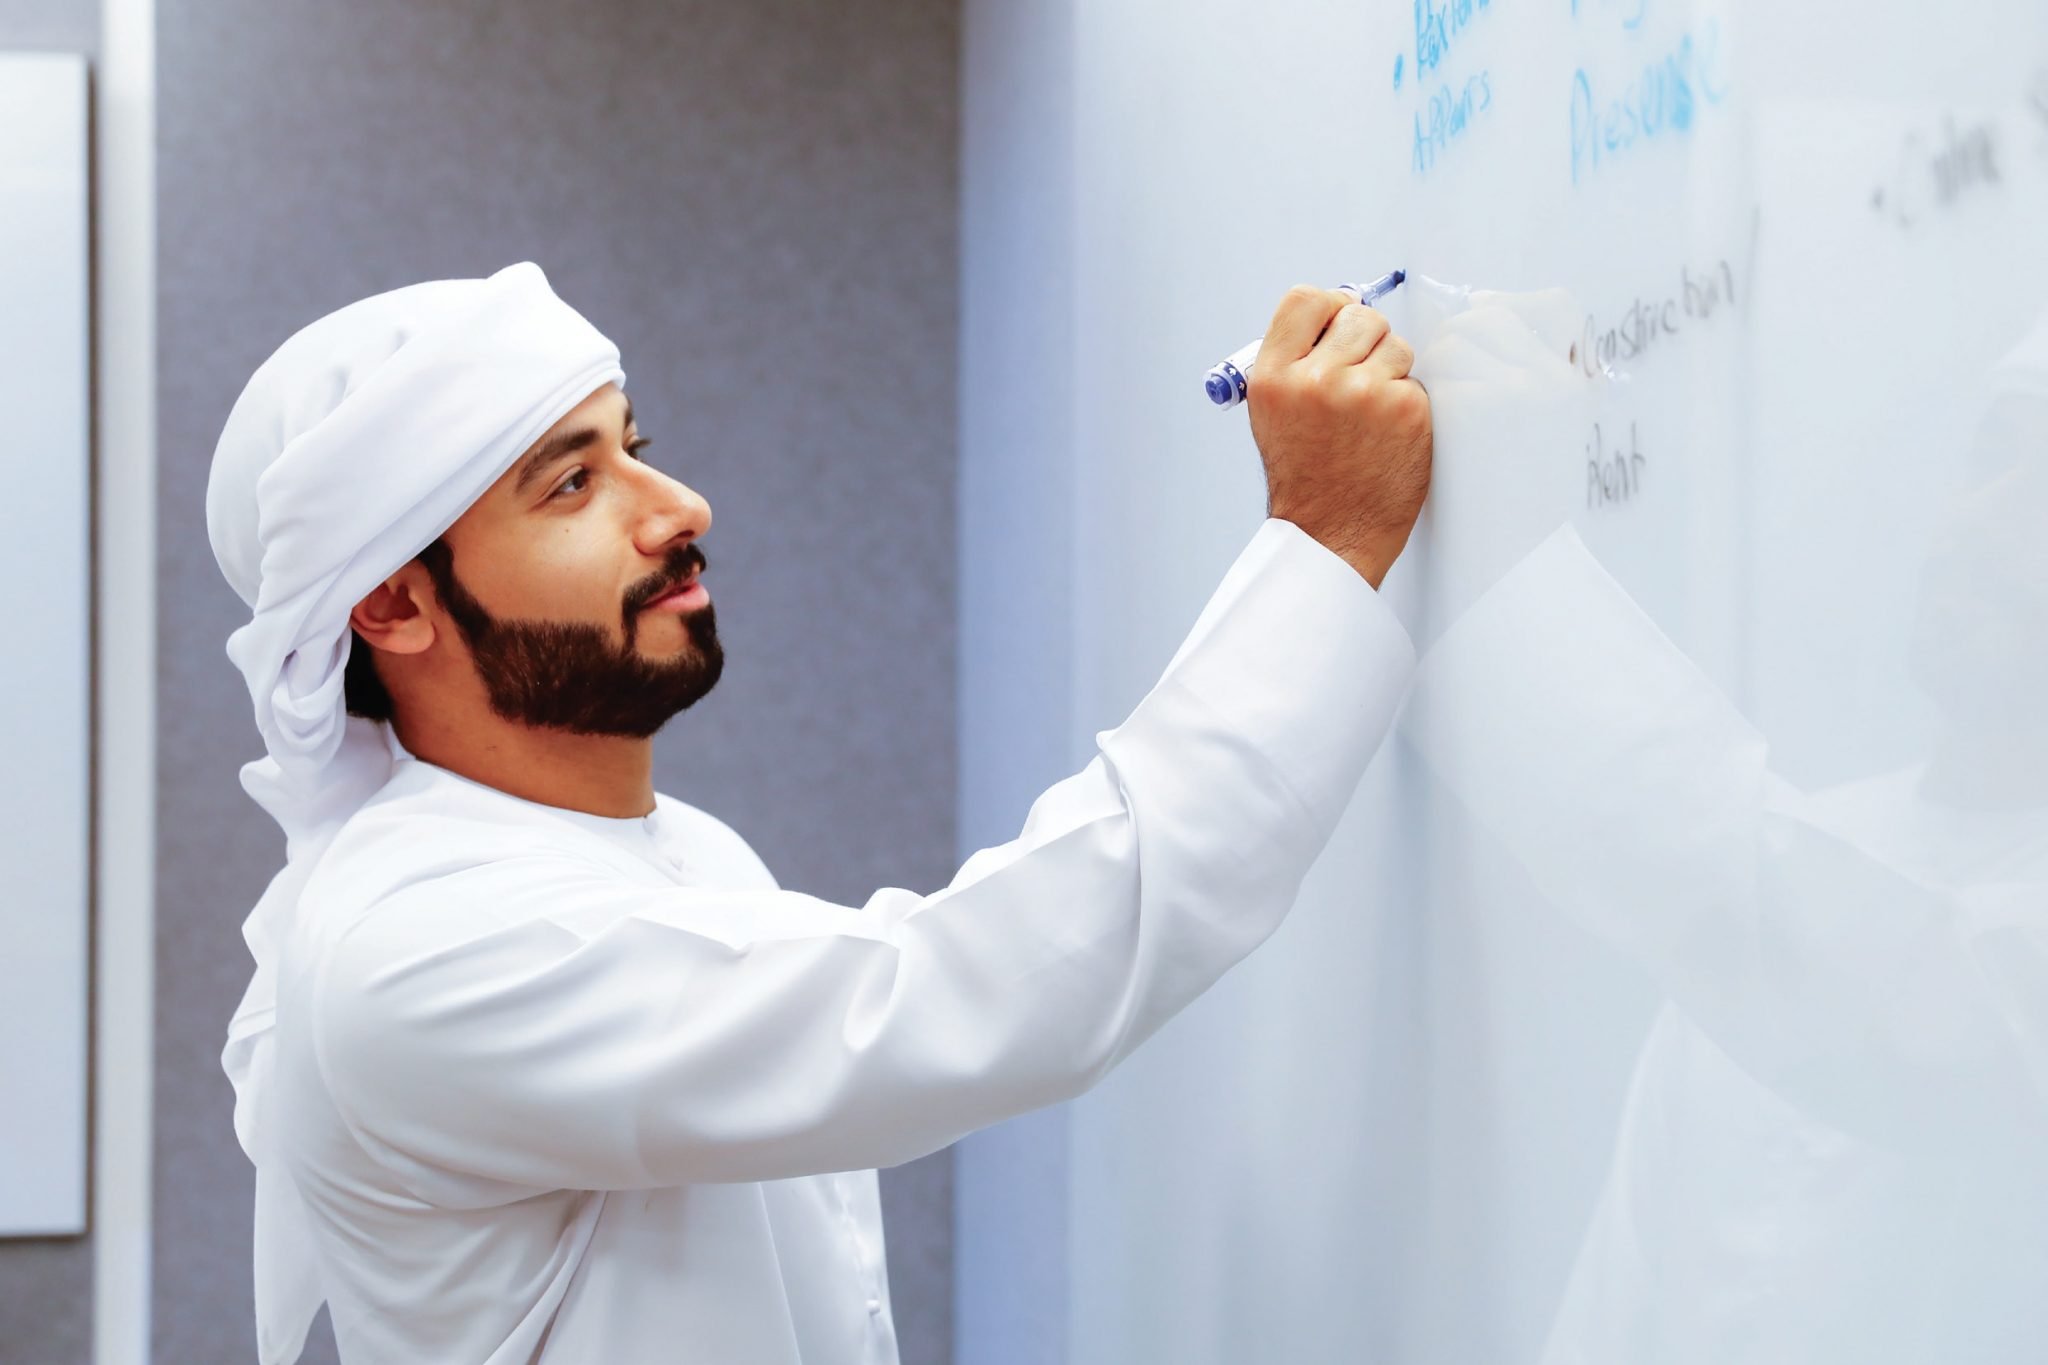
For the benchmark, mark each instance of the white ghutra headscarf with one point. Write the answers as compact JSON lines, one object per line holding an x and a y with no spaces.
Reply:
{"x":362,"y":439}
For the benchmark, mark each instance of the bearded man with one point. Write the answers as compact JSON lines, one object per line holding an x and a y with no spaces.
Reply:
{"x":538,"y":1064}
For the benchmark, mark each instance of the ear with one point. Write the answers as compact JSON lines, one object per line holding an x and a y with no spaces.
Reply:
{"x":392,"y":618}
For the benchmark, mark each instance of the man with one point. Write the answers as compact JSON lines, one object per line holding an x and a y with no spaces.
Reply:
{"x":538,"y":1064}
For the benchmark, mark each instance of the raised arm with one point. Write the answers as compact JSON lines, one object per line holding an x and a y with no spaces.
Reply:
{"x":542,"y":1022}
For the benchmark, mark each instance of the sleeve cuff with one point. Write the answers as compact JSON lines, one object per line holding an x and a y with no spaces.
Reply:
{"x":1298,"y":652}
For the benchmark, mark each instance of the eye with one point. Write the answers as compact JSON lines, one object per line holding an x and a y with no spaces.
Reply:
{"x":579,"y":478}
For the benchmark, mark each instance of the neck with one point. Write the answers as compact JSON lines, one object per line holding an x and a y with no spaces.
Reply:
{"x":596,"y":774}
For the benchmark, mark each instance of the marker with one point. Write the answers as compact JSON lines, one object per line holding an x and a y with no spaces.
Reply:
{"x":1225,"y":383}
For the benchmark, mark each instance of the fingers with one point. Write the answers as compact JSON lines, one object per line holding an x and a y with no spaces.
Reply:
{"x":1362,"y":338}
{"x":1353,"y":334}
{"x":1324,"y":328}
{"x":1301,"y":317}
{"x":1393,"y":358}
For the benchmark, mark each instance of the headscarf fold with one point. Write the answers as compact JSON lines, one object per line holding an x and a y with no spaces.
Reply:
{"x":362,"y":439}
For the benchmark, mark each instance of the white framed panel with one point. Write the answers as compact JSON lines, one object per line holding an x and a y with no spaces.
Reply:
{"x":45,"y":559}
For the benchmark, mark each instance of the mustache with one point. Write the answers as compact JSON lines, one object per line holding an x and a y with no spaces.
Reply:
{"x":679,"y":565}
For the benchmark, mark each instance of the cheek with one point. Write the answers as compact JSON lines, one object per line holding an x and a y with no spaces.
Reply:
{"x":560,"y":573}
{"x":571,"y":573}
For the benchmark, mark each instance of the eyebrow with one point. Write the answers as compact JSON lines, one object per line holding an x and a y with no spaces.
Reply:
{"x":559,"y":447}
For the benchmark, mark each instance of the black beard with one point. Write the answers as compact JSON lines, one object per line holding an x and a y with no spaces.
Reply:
{"x":559,"y":675}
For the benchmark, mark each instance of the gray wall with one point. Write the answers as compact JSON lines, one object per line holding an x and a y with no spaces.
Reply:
{"x":46,"y":1283}
{"x":1018,"y":482}
{"x":758,"y":203}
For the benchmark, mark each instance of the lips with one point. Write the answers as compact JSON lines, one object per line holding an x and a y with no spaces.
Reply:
{"x":677,"y":591}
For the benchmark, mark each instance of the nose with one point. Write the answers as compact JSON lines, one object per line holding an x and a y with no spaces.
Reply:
{"x":671,"y":510}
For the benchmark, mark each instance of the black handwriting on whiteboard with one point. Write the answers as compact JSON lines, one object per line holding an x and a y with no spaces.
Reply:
{"x":1613,"y":476}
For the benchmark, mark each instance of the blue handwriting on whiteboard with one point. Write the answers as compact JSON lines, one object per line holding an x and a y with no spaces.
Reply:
{"x":1662,"y":99}
{"x":1437,"y":25}
{"x":1449,"y":116}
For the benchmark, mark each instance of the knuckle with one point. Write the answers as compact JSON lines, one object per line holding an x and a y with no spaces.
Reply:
{"x":1311,"y":377}
{"x":1273,"y":388}
{"x":1325,"y":385}
{"x":1373,"y":330}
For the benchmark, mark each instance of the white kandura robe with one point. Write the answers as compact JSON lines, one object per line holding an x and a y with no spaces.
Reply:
{"x":565,"y":1088}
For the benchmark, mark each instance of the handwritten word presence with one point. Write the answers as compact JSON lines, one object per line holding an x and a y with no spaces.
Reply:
{"x":1697,"y":298}
{"x":1661,"y":101}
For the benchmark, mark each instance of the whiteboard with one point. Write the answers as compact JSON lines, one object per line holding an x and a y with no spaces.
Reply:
{"x":45,"y":561}
{"x":1444,"y":1115}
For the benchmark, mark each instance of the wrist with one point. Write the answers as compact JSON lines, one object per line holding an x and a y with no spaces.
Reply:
{"x":1372,"y":560}
{"x":1371,"y":552}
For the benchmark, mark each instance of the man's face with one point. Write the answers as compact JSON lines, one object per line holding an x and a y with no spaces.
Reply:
{"x":554,"y":570}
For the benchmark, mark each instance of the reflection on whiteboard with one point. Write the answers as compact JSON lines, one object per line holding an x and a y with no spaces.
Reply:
{"x":1831,"y":1145}
{"x":43,"y":726}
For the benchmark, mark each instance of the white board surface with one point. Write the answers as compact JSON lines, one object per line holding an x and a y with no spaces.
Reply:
{"x":45,"y":563}
{"x":1456,"y":1110}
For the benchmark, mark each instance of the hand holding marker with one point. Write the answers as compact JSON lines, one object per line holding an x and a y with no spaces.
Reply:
{"x":1225,"y":383}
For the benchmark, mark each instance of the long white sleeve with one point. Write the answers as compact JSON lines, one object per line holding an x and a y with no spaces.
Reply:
{"x":539,"y":1020}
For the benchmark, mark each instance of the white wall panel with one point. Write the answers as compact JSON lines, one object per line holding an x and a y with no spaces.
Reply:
{"x":44,"y":700}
